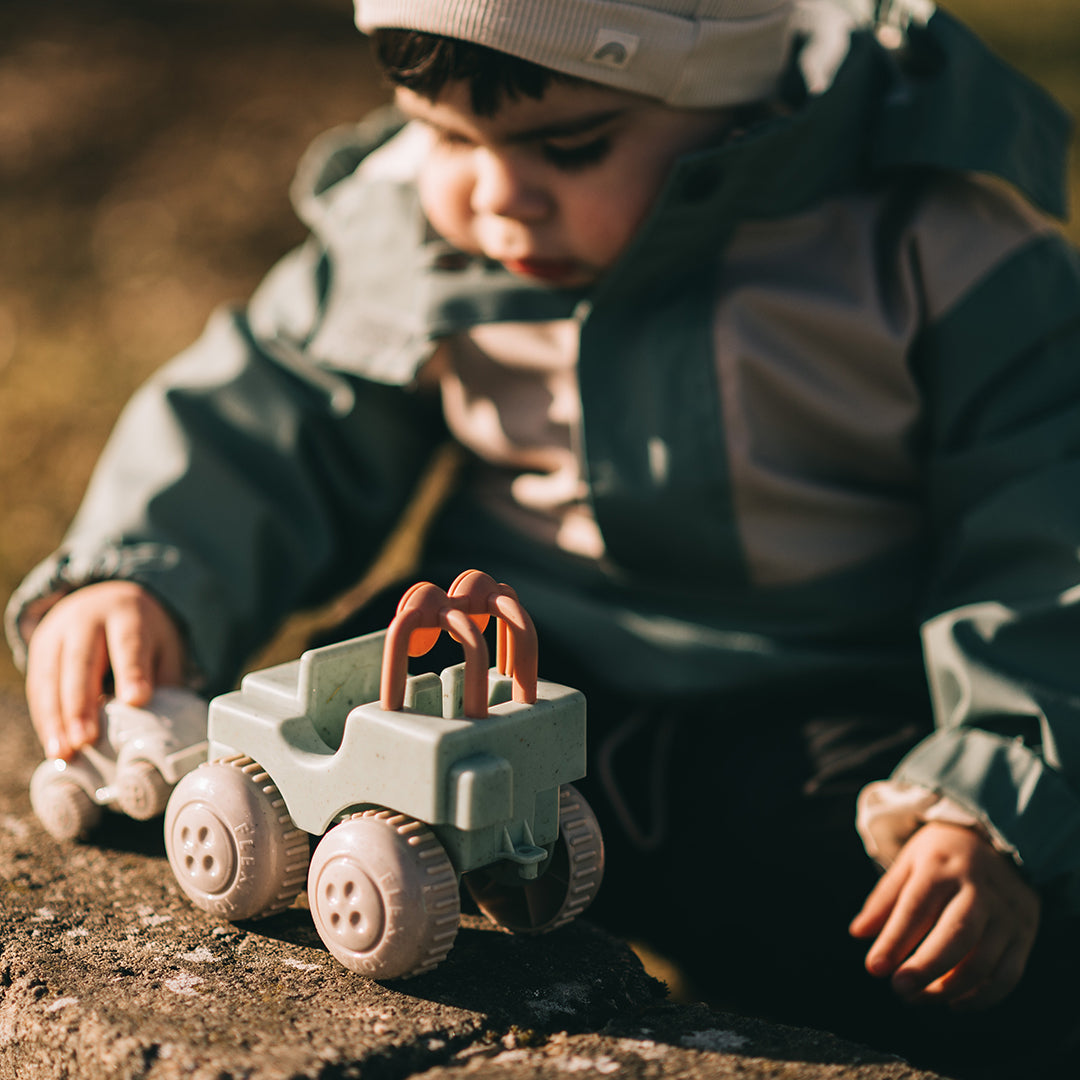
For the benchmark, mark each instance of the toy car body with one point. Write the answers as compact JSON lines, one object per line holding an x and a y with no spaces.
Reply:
{"x":132,"y":767}
{"x":414,"y":793}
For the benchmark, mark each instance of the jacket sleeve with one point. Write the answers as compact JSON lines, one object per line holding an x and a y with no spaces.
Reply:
{"x":1002,"y":630}
{"x":244,"y":480}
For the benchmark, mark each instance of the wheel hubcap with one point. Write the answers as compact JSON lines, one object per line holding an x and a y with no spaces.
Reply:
{"x":207,"y":854}
{"x":349,"y":905}
{"x":61,"y":816}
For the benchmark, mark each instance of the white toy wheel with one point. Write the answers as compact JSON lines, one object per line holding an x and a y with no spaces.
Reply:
{"x":567,"y":883}
{"x":141,"y":790}
{"x":66,"y":811}
{"x":231,"y":843}
{"x":384,"y":895}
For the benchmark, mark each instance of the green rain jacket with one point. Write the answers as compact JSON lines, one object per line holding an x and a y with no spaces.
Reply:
{"x":831,"y":419}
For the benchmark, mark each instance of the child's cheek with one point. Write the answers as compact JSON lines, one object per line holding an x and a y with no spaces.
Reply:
{"x":604,"y":227}
{"x":445,"y":190}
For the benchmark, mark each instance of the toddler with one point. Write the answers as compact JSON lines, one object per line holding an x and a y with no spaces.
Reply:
{"x":763,"y":352}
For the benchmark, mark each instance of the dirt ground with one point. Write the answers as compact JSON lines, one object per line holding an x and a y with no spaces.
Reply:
{"x":145,"y":154}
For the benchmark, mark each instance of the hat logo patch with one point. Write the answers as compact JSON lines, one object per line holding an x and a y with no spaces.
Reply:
{"x":613,"y":48}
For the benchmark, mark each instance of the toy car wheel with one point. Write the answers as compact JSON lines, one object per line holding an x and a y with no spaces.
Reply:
{"x":384,"y":895}
{"x":66,"y":811}
{"x":566,"y":885}
{"x":141,"y":790}
{"x":231,"y":843}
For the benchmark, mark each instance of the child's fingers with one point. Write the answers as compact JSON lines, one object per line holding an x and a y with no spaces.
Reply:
{"x":918,"y":907}
{"x":879,"y":903}
{"x":1019,"y":928}
{"x":960,"y":939}
{"x":131,"y":654}
{"x":113,"y":622}
{"x":43,"y":697}
{"x":168,"y":652}
{"x":962,"y":925}
{"x":977,"y":976}
{"x":169,"y":663}
{"x":82,"y":671}
{"x":979,"y":982}
{"x":1000,"y":983}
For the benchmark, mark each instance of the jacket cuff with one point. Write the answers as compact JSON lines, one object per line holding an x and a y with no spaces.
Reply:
{"x":1013,"y":791}
{"x":889,"y":812}
{"x":67,"y":570}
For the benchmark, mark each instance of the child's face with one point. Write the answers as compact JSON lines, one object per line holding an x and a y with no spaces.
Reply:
{"x":554,"y":188}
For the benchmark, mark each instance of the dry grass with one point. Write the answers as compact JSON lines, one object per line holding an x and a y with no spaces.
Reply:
{"x":145,"y":152}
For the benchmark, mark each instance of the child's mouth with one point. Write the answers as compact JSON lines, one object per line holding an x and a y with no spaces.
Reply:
{"x":554,"y":270}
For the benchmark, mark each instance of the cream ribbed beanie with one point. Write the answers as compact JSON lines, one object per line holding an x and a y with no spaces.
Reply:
{"x":689,"y":53}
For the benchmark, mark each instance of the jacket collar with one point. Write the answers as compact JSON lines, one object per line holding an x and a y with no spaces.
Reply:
{"x":944,"y":103}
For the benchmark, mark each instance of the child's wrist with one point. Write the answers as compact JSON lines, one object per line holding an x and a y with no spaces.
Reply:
{"x":890,"y":812}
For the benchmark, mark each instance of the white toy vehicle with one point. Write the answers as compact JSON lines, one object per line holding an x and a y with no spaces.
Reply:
{"x":138,"y":757}
{"x":419,"y":780}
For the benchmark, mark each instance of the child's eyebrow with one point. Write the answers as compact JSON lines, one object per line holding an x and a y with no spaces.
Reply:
{"x":579,"y":125}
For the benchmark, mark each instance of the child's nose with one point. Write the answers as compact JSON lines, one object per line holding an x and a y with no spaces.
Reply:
{"x":504,"y":187}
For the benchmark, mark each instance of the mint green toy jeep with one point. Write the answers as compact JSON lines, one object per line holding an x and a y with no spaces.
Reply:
{"x":416,"y":782}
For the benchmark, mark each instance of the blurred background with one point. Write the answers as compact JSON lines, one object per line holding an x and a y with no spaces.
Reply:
{"x":146,"y":148}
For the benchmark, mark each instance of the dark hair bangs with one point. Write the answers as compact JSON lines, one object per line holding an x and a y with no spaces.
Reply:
{"x":426,"y":63}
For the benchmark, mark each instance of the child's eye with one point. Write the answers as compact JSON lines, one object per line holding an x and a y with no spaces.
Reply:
{"x":579,"y":156}
{"x":450,"y":139}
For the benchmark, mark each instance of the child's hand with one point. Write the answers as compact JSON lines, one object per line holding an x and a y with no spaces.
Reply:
{"x":113,"y":625}
{"x":953,"y":920}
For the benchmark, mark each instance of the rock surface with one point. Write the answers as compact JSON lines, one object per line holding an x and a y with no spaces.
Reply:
{"x":108,"y":973}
